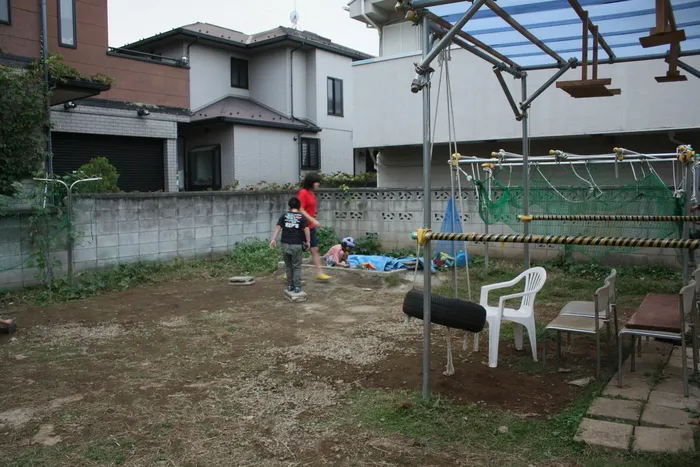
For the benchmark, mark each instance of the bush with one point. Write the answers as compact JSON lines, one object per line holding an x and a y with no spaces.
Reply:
{"x":97,"y":167}
{"x":368,"y":245}
{"x":326,"y":239}
{"x":254,"y":255}
{"x":22,"y":131}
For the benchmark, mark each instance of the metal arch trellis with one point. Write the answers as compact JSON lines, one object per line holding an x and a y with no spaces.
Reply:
{"x":433,"y":25}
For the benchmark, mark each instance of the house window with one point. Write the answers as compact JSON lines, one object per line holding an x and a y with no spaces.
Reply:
{"x":5,"y":12}
{"x":203,"y":168}
{"x":66,"y":23}
{"x":310,"y":154}
{"x":239,"y":73}
{"x":335,"y":97}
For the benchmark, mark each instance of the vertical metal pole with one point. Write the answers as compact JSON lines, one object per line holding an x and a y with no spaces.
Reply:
{"x":69,"y":240}
{"x":526,"y":169}
{"x":427,"y":221}
{"x":453,"y":176}
{"x":486,"y":227}
{"x":687,"y":168}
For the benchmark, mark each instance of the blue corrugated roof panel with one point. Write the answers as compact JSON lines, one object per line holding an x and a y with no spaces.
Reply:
{"x":620,"y":22}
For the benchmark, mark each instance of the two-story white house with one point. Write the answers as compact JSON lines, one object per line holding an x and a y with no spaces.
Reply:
{"x":647,"y":116}
{"x":264,"y":107}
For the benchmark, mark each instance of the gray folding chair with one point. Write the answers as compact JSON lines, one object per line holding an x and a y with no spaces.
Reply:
{"x":586,"y":309}
{"x":583,"y":324}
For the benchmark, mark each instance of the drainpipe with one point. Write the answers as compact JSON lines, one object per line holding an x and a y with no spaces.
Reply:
{"x":374,"y":25}
{"x":187,"y":52}
{"x":45,"y":58}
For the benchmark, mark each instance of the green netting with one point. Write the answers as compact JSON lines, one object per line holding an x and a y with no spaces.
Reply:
{"x":576,"y":190}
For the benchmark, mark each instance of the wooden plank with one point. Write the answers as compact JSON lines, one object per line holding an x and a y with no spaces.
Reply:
{"x":584,"y":83}
{"x":662,"y":38}
{"x":588,"y":88}
{"x":658,"y":312}
{"x":670,"y":78}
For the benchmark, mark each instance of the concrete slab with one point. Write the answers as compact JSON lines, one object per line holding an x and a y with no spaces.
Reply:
{"x":633,"y":388}
{"x":675,"y":386}
{"x":618,"y":409}
{"x":665,"y":417}
{"x":658,"y":348}
{"x":674,"y":401}
{"x":667,"y":440}
{"x":677,"y":362}
{"x":605,"y":434}
{"x":295,"y":297}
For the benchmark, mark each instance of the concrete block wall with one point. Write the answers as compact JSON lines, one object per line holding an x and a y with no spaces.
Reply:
{"x":159,"y":227}
{"x":119,"y":229}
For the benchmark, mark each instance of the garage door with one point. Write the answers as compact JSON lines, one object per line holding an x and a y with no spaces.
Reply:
{"x":139,"y":161}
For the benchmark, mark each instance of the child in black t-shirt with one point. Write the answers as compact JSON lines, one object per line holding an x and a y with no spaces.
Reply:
{"x":295,"y":235}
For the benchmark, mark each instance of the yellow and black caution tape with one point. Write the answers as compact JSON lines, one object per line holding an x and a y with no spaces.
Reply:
{"x":564,"y":240}
{"x":606,"y":217}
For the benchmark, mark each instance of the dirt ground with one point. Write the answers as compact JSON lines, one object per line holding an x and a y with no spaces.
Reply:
{"x":203,"y":373}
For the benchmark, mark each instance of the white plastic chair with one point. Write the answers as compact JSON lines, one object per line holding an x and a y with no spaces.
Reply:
{"x":522,"y":316}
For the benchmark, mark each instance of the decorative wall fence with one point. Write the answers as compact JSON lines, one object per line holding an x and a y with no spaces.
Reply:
{"x":116,"y":229}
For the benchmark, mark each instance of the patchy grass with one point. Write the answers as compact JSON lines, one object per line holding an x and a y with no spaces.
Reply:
{"x":249,"y":257}
{"x":393,"y":280}
{"x":169,"y":375}
{"x":510,"y":439}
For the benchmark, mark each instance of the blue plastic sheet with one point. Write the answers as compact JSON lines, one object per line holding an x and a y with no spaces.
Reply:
{"x":386,"y":263}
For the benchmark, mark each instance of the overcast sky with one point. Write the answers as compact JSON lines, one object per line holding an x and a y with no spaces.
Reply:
{"x":131,"y":20}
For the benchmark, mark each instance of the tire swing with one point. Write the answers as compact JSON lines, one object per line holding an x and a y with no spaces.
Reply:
{"x":445,"y":311}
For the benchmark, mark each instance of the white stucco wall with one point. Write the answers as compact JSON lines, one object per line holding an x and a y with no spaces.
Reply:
{"x":210,"y":76}
{"x":336,"y":151}
{"x":388,"y":114}
{"x":265,"y":154}
{"x":337,"y":134}
{"x":299,"y":84}
{"x":311,"y":87}
{"x":400,"y":167}
{"x":269,"y":79}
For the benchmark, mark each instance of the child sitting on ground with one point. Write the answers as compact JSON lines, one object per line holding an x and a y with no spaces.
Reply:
{"x":295,"y":239}
{"x":337,"y":255}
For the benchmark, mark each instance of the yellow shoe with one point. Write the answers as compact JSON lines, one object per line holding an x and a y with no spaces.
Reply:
{"x":323,"y":277}
{"x":284,"y":277}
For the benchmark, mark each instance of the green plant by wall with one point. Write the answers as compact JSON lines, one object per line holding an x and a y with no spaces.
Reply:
{"x":97,"y":167}
{"x":23,"y":123}
{"x":59,"y":72}
{"x":340,"y":180}
{"x":23,"y":117}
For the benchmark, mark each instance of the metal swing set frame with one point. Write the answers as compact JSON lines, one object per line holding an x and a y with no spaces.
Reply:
{"x":438,"y":33}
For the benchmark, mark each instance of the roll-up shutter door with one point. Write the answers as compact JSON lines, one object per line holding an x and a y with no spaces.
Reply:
{"x":139,"y":161}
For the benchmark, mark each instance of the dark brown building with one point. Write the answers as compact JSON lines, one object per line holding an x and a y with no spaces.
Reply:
{"x":133,"y":122}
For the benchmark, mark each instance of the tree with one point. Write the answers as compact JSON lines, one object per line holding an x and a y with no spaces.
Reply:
{"x":23,"y":121}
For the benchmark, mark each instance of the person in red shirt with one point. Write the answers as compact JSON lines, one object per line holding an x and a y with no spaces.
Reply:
{"x":307,"y":196}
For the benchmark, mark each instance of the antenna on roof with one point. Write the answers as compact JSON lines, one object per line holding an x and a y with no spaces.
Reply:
{"x":294,"y":16}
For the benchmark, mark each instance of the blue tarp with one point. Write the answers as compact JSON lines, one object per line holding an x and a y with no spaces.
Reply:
{"x":385,"y":263}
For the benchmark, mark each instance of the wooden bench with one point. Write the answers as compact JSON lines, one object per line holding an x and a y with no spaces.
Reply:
{"x":658,"y":312}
